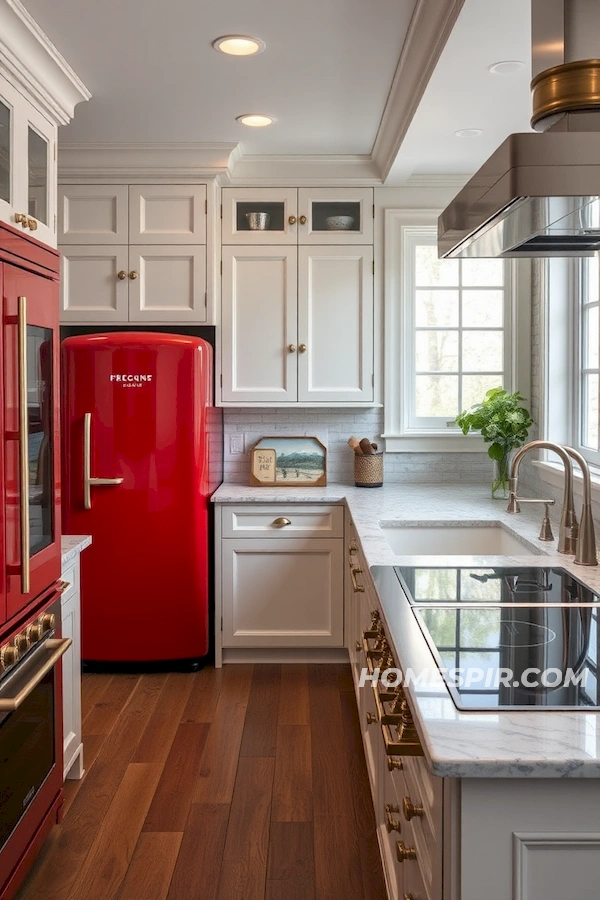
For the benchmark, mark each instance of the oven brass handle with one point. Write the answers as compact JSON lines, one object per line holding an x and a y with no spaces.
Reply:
{"x":24,"y":446}
{"x":55,"y":649}
{"x":358,"y":588}
{"x":88,"y":481}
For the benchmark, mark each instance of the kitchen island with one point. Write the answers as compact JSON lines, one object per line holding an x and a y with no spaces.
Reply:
{"x":502,"y":804}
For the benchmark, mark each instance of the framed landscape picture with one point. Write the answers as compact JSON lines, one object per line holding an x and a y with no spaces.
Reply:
{"x":297,"y":461}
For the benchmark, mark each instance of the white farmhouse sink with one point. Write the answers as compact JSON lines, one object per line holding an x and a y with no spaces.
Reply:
{"x":433,"y":539}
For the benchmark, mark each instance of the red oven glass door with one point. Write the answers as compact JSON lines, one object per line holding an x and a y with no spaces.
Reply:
{"x":31,"y":739}
{"x":31,"y":447}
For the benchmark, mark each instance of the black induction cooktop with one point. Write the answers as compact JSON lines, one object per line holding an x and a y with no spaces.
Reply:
{"x":514,"y":637}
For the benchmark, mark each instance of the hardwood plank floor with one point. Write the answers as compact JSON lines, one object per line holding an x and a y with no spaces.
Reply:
{"x":244,"y":783}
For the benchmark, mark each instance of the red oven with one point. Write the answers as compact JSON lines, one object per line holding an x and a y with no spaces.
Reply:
{"x":31,"y":738}
{"x":30,"y":673}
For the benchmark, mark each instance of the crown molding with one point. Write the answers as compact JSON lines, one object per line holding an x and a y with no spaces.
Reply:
{"x":35,"y":67}
{"x":302,"y":170}
{"x":428,"y":32}
{"x":139,"y":162}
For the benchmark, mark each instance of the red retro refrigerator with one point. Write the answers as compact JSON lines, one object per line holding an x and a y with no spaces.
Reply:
{"x":142,"y":450}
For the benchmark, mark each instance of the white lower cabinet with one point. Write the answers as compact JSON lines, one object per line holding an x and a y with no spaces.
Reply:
{"x":71,"y":672}
{"x":281,"y":577}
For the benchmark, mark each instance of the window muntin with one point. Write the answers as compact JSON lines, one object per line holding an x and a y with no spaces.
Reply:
{"x":456,"y":316}
{"x":589,"y":359}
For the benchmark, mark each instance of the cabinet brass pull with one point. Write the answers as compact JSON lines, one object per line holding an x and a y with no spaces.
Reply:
{"x":303,"y":220}
{"x":358,"y":588}
{"x":410,"y":810}
{"x":352,"y":548}
{"x":403,"y":852}
{"x":31,"y":223}
{"x":371,"y":718}
{"x":122,"y":275}
{"x":291,"y":220}
{"x":394,"y":762}
{"x":63,"y":586}
{"x":133,"y":274}
{"x":391,"y":824}
{"x":281,"y":522}
{"x":292,"y":348}
{"x":21,"y":219}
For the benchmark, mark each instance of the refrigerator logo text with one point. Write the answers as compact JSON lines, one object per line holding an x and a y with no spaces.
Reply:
{"x":131,"y":381}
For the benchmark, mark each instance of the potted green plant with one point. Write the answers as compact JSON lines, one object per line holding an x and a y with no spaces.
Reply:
{"x":503,"y":423}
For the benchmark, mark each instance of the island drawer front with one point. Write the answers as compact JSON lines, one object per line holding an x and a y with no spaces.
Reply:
{"x":70,"y":575}
{"x":283,"y":521}
{"x":425,"y":793}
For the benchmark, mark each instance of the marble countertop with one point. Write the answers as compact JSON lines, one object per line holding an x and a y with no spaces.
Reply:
{"x":517,"y":743}
{"x":72,"y":544}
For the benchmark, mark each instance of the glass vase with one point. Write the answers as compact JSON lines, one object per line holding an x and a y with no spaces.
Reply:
{"x":500,"y":483}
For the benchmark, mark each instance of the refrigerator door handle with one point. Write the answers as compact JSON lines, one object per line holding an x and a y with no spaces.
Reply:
{"x":88,"y":481}
{"x":23,"y":445}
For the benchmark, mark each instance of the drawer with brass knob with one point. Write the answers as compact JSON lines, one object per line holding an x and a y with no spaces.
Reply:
{"x":404,"y":853}
{"x":306,"y":520}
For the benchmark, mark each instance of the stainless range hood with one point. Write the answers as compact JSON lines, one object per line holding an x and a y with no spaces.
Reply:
{"x":539,"y":194}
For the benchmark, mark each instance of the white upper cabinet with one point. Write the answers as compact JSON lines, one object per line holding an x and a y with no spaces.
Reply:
{"x":93,"y":214}
{"x":133,"y":253}
{"x":134,"y":214}
{"x":27,"y":166}
{"x":297,"y":216}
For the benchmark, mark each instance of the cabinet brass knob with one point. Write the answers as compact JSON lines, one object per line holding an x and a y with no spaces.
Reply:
{"x":21,"y":219}
{"x":281,"y":522}
{"x":410,"y":810}
{"x":302,"y":348}
{"x":357,"y":588}
{"x":391,"y":824}
{"x":133,"y":275}
{"x":371,"y":718}
{"x":394,"y":762}
{"x":122,"y":275}
{"x":31,"y":223}
{"x":291,"y":220}
{"x":303,"y":220}
{"x":403,"y":852}
{"x":63,"y":585}
{"x":358,"y":645}
{"x":352,"y":548}
{"x":292,"y":348}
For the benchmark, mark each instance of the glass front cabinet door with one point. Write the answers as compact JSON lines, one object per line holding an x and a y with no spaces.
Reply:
{"x":27,"y":167}
{"x":259,"y":216}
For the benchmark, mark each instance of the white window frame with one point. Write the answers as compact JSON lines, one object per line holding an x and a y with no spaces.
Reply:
{"x":559,"y":369}
{"x":398,"y":434}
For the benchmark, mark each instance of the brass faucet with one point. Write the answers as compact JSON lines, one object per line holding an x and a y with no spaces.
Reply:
{"x":567,"y":533}
{"x":585,"y":554}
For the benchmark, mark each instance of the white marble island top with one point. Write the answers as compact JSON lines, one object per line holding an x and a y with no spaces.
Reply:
{"x":513,"y":744}
{"x":72,"y":544}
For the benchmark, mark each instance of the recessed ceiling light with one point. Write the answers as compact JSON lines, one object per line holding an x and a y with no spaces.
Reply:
{"x":468,"y":132}
{"x":238,"y":45}
{"x":255,"y":120}
{"x":506,"y":66}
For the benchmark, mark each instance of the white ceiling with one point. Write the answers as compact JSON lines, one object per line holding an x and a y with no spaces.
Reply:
{"x":328,"y":71}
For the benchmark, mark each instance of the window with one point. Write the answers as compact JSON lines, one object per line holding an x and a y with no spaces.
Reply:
{"x":449,"y":334}
{"x":588,"y":388}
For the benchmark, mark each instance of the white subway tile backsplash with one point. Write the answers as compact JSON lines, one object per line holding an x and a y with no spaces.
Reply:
{"x":333,"y":427}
